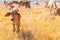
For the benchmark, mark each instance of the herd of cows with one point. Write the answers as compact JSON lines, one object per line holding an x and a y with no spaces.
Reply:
{"x":27,"y":4}
{"x":21,"y":3}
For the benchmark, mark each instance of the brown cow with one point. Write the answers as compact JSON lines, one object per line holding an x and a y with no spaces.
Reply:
{"x":46,"y":3}
{"x":58,"y":11}
{"x":10,"y":3}
{"x":16,"y":21}
{"x":26,"y":4}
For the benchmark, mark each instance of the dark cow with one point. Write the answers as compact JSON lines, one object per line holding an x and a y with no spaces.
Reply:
{"x":10,"y":3}
{"x":16,"y":2}
{"x":21,"y":3}
{"x":26,"y":4}
{"x":58,"y":11}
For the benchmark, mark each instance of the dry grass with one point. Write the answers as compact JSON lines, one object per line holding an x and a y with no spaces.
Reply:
{"x":36,"y":20}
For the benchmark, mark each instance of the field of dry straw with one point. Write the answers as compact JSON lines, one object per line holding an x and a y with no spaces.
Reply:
{"x":36,"y":20}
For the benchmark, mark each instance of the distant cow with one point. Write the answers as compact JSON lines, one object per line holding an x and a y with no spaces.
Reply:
{"x":52,"y":6}
{"x":16,"y":2}
{"x":36,"y":3}
{"x":46,"y":3}
{"x":5,"y":3}
{"x":58,"y":11}
{"x":10,"y":3}
{"x":26,"y":4}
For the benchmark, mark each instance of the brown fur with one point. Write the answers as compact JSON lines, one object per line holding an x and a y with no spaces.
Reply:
{"x":8,"y":14}
{"x":21,"y":3}
{"x":10,"y":3}
{"x":46,"y":3}
{"x":58,"y":11}
{"x":26,"y":4}
{"x":16,"y":21}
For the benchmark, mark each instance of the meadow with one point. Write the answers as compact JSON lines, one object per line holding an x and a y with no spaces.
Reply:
{"x":35,"y":20}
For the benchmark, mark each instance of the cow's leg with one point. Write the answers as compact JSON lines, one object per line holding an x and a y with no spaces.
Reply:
{"x":27,"y":6}
{"x":14,"y":28}
{"x":51,"y":8}
{"x":18,"y":28}
{"x":19,"y":5}
{"x":50,"y":11}
{"x":55,"y":6}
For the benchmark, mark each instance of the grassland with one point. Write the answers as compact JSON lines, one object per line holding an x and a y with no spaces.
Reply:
{"x":36,"y":20}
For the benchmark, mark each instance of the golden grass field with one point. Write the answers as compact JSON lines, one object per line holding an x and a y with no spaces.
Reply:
{"x":36,"y":20}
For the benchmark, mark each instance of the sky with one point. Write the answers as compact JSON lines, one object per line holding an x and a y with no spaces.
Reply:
{"x":31,"y":0}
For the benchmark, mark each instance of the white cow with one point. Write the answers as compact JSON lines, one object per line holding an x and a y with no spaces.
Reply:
{"x":52,"y":6}
{"x":36,"y":2}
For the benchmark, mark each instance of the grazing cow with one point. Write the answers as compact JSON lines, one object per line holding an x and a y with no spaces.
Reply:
{"x":16,"y":21}
{"x":5,"y":3}
{"x":52,"y":6}
{"x":36,"y":3}
{"x":26,"y":4}
{"x":46,"y":3}
{"x":15,"y":2}
{"x":58,"y":11}
{"x":10,"y":3}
